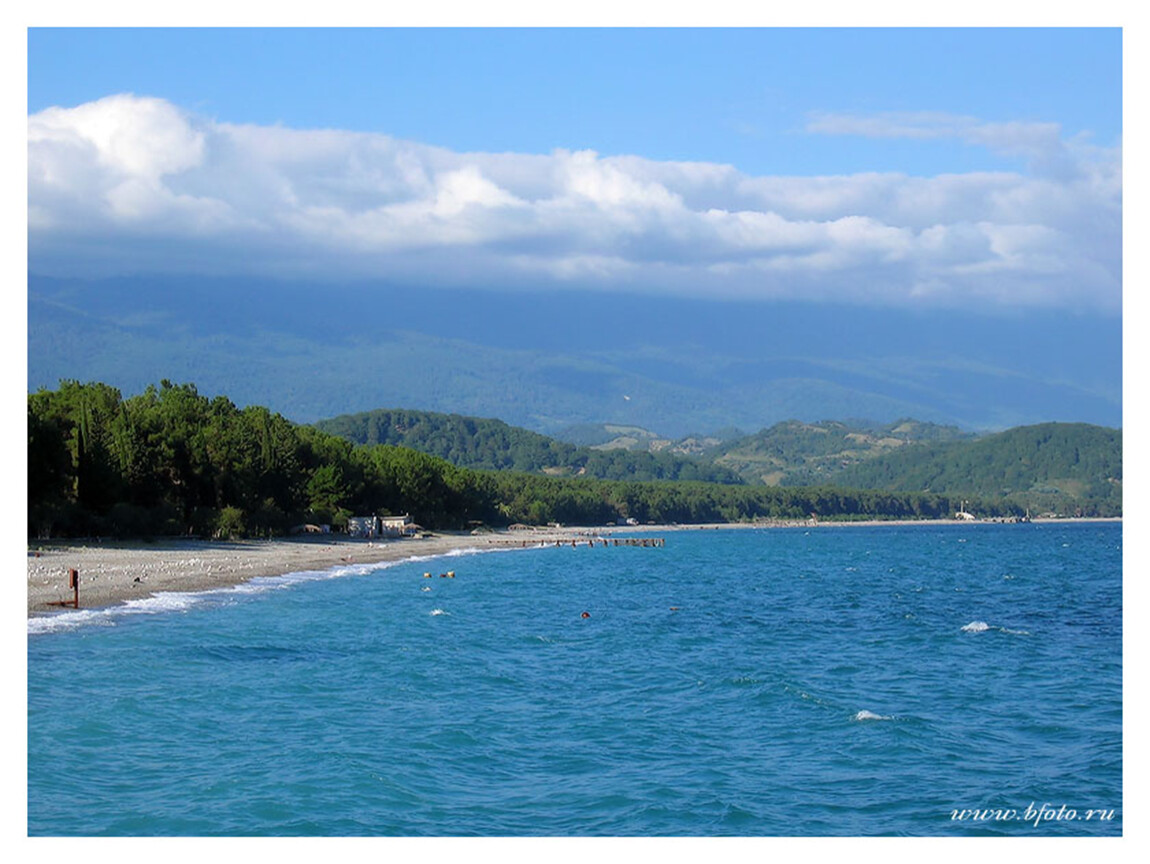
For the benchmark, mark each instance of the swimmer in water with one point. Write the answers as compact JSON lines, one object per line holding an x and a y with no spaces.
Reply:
{"x":585,"y":615}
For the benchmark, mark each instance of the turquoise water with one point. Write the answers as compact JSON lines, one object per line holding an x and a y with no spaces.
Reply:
{"x":837,"y":681}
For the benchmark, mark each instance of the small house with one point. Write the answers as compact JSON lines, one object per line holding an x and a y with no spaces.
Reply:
{"x":396,"y":526}
{"x":363,"y":526}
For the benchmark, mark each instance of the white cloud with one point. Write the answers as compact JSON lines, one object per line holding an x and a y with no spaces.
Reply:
{"x":130,"y":184}
{"x":1041,"y":144}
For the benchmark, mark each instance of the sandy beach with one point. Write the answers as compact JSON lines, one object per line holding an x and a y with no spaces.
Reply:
{"x":112,"y":572}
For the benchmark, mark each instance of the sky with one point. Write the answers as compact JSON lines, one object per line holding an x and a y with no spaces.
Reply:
{"x":941,"y":168}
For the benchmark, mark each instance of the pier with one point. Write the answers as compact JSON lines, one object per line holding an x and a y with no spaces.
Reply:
{"x":576,"y":542}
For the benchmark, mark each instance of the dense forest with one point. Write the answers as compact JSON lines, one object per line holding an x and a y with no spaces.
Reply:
{"x":473,"y":442}
{"x":1063,"y":468}
{"x":1050,"y":466}
{"x":172,"y":461}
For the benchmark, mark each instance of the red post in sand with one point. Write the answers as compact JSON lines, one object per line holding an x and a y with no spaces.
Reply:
{"x":74,"y":584}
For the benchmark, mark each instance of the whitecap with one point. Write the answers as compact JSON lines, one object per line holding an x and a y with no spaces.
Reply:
{"x":439,"y":612}
{"x":870,"y":715}
{"x":982,"y":627}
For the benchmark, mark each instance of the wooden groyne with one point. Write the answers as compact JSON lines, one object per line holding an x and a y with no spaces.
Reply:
{"x":590,"y":542}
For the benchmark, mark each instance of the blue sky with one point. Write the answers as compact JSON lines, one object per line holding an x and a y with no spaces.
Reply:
{"x":738,"y":96}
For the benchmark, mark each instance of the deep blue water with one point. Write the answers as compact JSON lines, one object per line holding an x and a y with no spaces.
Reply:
{"x":836,"y":681}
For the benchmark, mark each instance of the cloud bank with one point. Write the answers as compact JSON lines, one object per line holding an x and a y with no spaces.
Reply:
{"x":131,"y":184}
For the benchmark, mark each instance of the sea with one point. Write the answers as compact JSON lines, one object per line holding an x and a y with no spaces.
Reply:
{"x":896,"y":680}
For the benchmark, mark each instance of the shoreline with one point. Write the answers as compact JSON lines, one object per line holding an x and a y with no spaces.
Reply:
{"x":114,"y":572}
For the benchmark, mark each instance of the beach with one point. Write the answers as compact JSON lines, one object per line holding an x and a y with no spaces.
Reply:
{"x":111,"y":572}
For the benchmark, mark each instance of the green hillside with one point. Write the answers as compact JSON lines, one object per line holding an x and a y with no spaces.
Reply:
{"x":171,"y":461}
{"x":802,"y":454}
{"x":484,"y":444}
{"x":1053,"y":467}
{"x":1065,"y":468}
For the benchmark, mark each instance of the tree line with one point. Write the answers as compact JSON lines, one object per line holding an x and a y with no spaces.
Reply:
{"x":487,"y":444}
{"x":1071,"y":468}
{"x":171,"y":461}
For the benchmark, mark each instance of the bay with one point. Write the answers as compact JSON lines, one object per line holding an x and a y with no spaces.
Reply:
{"x":836,"y":680}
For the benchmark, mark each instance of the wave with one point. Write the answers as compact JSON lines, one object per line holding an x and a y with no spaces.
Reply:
{"x":454,"y":553}
{"x":163,"y":602}
{"x":439,"y":612}
{"x":167,"y":602}
{"x":982,"y":627}
{"x":870,"y":715}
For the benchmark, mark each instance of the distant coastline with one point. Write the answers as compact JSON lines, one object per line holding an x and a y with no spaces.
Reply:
{"x":114,"y":572}
{"x":846,"y":523}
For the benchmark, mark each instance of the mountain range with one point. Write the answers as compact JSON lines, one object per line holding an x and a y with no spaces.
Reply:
{"x":1050,"y":467}
{"x":550,"y":360}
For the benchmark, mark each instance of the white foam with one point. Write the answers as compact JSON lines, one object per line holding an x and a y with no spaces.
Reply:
{"x":468,"y":550}
{"x":975,"y":627}
{"x":454,"y":553}
{"x":870,"y":715}
{"x":439,"y":612}
{"x":179,"y":601}
{"x":982,"y":627}
{"x":171,"y":601}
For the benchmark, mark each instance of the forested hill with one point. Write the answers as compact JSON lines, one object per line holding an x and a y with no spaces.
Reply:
{"x":793,"y":453}
{"x":1050,"y":466}
{"x":482,"y":444}
{"x":1053,"y":467}
{"x":171,"y":461}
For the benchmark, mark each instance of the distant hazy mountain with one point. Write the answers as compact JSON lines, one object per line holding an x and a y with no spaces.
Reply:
{"x":548,"y":361}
